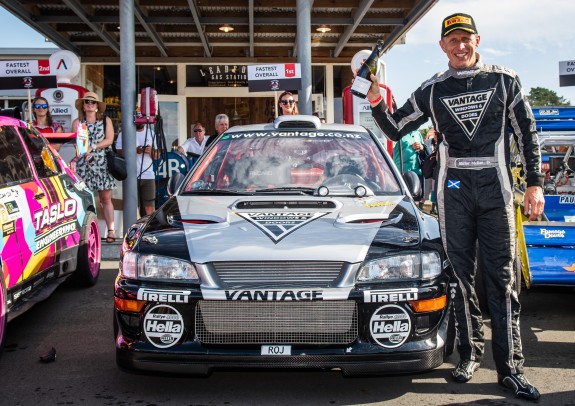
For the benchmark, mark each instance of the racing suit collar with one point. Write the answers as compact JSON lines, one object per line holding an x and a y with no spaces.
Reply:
{"x":467,"y":72}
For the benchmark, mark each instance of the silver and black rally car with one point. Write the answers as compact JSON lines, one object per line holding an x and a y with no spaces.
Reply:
{"x":291,"y":244}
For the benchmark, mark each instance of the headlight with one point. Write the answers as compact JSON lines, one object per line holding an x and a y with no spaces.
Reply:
{"x":425,"y":265}
{"x":157,"y":267}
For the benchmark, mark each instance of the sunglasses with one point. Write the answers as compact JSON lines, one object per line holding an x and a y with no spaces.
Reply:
{"x":90,"y":102}
{"x":198,"y":130}
{"x":40,"y":106}
{"x":285,"y":102}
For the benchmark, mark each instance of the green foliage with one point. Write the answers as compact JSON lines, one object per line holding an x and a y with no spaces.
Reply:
{"x":539,"y":96}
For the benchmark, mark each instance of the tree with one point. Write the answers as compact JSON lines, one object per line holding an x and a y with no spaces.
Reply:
{"x":539,"y":96}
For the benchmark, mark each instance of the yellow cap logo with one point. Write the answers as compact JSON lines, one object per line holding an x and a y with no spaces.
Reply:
{"x":458,"y":20}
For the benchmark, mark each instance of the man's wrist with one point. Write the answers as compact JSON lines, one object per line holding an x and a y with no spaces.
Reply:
{"x":376,"y":101}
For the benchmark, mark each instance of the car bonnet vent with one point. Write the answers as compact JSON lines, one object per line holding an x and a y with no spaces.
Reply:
{"x":283,"y":204}
{"x":298,"y":122}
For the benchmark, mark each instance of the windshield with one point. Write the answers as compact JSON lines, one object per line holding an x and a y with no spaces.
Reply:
{"x":253,"y":162}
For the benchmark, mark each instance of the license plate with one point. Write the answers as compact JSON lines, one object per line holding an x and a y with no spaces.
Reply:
{"x":269,"y":349}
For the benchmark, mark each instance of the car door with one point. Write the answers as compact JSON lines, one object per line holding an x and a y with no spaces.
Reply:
{"x":20,"y":197}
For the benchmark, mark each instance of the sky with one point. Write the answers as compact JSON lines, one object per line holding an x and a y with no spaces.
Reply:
{"x":528,"y":36}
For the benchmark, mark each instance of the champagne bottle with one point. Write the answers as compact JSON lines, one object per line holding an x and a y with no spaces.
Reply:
{"x":362,"y":81}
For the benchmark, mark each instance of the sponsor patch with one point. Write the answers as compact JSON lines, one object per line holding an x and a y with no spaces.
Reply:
{"x":388,"y":296}
{"x":165,"y":296}
{"x":390,"y":326}
{"x":468,"y":109}
{"x":163,"y":326}
{"x":278,"y":225}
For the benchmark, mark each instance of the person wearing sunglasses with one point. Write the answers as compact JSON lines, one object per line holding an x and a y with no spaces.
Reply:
{"x":194,"y":146}
{"x":287,"y":105}
{"x":43,"y":121}
{"x":92,"y":166}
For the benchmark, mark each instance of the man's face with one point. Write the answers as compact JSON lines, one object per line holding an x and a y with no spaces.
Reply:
{"x":460,"y":48}
{"x":199,"y":133}
{"x":222,"y":126}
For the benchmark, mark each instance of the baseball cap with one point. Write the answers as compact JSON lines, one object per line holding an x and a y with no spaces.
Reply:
{"x":458,"y":21}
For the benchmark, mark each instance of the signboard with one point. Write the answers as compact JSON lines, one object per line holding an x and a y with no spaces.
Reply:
{"x":265,"y":78}
{"x":224,"y":75}
{"x":567,"y":73}
{"x":31,"y":74}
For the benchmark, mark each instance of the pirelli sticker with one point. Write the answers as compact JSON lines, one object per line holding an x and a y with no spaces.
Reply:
{"x":389,"y":296}
{"x":278,"y":225}
{"x":468,"y":109}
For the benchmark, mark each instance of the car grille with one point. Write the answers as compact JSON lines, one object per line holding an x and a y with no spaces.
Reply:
{"x":276,"y":322}
{"x":278,"y":274}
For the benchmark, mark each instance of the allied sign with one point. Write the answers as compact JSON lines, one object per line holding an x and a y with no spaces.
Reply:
{"x":265,"y":78}
{"x":567,"y":73}
{"x":32,"y":74}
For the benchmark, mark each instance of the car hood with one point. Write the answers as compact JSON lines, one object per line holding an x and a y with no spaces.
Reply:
{"x":231,"y":228}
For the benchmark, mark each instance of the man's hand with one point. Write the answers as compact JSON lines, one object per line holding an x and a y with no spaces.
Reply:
{"x":533,"y":202}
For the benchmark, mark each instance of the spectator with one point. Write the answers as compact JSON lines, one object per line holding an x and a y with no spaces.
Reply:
{"x":92,"y":166}
{"x":412,"y":153}
{"x":222,"y":123}
{"x":146,"y":153}
{"x":287,"y":105}
{"x":474,"y":189}
{"x":196,"y":144}
{"x":43,"y":121}
{"x":429,"y":183}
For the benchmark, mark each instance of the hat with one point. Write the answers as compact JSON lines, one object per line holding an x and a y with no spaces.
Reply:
{"x":458,"y":21}
{"x":90,"y":96}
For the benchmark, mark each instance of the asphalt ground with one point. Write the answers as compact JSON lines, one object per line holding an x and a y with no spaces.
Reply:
{"x":78,"y":324}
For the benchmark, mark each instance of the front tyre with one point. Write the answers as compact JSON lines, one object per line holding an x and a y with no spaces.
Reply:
{"x":89,"y":253}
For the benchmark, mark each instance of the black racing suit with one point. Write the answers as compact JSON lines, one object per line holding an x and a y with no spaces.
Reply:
{"x":476,"y":110}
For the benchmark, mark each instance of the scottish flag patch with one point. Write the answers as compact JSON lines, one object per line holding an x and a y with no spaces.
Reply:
{"x":453,"y":184}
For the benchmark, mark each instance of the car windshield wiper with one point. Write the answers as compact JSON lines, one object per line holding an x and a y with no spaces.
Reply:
{"x":217,"y":192}
{"x":293,"y":189}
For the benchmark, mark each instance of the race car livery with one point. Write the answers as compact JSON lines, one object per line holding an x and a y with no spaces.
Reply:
{"x":292,"y":244}
{"x":49,"y":226}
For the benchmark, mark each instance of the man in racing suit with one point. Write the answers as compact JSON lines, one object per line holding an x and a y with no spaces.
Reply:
{"x":476,"y":107}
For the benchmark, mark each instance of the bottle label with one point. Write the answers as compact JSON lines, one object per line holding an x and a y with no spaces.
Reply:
{"x":361,"y":86}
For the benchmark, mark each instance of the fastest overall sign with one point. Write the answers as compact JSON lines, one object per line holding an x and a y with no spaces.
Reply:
{"x":31,"y":74}
{"x":263,"y":78}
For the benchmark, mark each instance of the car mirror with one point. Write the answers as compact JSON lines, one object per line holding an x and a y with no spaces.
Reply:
{"x":174,"y":183}
{"x":413,"y":184}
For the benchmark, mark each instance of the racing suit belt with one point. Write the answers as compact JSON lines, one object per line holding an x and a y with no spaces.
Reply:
{"x":472,"y":162}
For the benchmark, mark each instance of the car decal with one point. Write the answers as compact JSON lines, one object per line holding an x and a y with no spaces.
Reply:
{"x":392,"y":295}
{"x":279,"y":225}
{"x":33,"y":232}
{"x":390,"y":326}
{"x":277,"y":294}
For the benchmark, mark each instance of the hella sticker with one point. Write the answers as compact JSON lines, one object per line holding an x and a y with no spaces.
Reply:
{"x":387,"y":296}
{"x":163,"y":326}
{"x":390,"y":326}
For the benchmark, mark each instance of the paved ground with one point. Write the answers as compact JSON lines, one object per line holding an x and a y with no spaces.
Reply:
{"x":78,"y":323}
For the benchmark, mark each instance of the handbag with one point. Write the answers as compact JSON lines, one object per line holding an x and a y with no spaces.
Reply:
{"x":428,"y":166}
{"x":116,"y":165}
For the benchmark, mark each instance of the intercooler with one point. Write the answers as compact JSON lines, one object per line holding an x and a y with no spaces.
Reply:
{"x":276,"y":322}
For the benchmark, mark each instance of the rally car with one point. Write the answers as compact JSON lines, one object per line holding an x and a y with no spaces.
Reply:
{"x":49,"y":225}
{"x":546,"y":248}
{"x":292,"y":244}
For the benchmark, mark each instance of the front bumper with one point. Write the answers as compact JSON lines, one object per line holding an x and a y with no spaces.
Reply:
{"x":423,"y":346}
